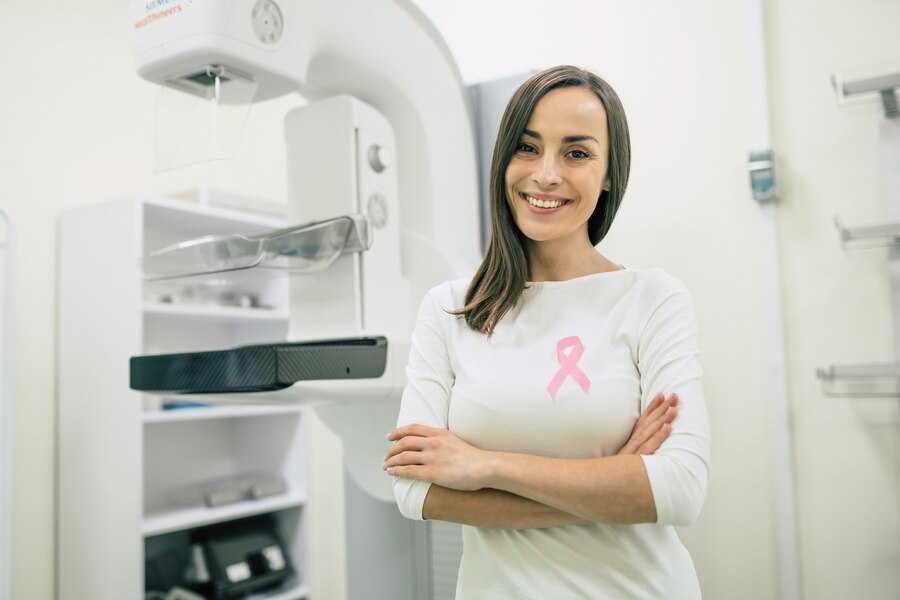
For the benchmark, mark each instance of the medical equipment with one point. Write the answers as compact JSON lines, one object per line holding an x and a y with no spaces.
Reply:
{"x":241,"y":557}
{"x":386,"y":140}
{"x":223,"y":561}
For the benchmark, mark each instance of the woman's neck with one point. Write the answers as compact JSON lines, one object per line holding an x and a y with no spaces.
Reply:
{"x":550,"y":262}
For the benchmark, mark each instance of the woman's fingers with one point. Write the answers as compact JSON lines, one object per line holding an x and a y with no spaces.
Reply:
{"x":663,"y":413}
{"x":659,"y":411}
{"x":403,"y":459}
{"x":656,"y":440}
{"x":415,"y":429}
{"x":653,"y":427}
{"x":654,"y":412}
{"x":409,"y":471}
{"x":406,"y":444}
{"x":651,"y":408}
{"x":411,"y":441}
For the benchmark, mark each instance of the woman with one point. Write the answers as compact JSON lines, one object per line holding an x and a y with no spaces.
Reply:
{"x":540,"y":409}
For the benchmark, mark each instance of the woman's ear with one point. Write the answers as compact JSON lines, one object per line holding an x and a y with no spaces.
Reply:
{"x":606,"y":185}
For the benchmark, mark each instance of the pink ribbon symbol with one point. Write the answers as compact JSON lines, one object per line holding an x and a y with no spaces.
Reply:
{"x":569,"y":365}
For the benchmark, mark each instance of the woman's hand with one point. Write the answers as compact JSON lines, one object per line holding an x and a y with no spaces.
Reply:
{"x":654,"y":426}
{"x":435,"y":455}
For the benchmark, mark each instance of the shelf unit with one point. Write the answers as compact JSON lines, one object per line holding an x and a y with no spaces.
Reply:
{"x":863,"y":380}
{"x":129,"y":470}
{"x":872,"y":380}
{"x":882,"y":87}
{"x":868,"y":236}
{"x":221,"y":314}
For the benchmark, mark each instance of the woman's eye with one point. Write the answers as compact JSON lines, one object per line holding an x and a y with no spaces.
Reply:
{"x":527,"y":148}
{"x":579,"y":154}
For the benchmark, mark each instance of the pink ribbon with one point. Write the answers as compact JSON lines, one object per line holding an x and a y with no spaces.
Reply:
{"x":569,"y":365}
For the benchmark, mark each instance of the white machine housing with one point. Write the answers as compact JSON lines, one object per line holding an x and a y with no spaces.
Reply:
{"x":387,"y":134}
{"x":383,"y":52}
{"x":338,"y":149}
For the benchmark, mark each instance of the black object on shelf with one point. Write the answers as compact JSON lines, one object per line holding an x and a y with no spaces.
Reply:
{"x":241,"y":557}
{"x":261,"y":367}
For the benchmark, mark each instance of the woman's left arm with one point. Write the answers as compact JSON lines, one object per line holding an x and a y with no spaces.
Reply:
{"x":669,"y":359}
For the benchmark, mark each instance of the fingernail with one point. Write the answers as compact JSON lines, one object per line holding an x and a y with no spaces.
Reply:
{"x":384,"y":466}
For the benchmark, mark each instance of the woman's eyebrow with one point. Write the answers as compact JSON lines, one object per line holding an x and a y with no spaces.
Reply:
{"x":569,"y":139}
{"x":578,"y":138}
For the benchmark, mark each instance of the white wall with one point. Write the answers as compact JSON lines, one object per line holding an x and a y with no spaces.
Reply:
{"x":76,"y":128}
{"x":837,"y":302}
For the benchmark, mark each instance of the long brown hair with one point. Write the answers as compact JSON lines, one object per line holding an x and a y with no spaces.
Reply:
{"x":500,"y":279}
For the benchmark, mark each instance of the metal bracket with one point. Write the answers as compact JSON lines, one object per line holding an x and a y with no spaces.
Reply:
{"x":885,"y":86}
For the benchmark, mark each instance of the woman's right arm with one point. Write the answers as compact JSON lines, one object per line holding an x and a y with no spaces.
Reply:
{"x":426,"y":397}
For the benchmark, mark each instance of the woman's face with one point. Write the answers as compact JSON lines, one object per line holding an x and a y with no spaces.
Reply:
{"x":555,"y":177}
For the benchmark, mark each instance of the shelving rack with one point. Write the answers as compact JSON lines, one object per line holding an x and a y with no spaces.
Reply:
{"x":868,"y":236}
{"x":881,"y":87}
{"x":874,"y":379}
{"x":125,"y":462}
{"x":861,"y":380}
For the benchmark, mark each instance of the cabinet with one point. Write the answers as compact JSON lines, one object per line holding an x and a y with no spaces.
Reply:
{"x":128,"y":464}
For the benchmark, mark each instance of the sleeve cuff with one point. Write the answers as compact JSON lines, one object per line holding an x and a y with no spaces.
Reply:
{"x":661,"y":497}
{"x":410,"y":495}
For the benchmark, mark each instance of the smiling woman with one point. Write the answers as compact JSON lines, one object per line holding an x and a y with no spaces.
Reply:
{"x":554,"y":403}
{"x":555,"y":178}
{"x":564,"y":134}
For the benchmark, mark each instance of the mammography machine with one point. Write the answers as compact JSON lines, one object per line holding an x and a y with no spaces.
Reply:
{"x":382,"y":175}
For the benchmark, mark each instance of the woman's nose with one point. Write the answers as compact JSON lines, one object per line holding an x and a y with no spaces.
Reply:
{"x":547,"y":172}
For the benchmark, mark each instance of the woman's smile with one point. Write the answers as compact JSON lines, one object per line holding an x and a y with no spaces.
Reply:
{"x":543,"y":203}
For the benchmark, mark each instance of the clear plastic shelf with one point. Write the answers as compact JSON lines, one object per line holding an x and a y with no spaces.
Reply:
{"x":304,"y":248}
{"x":861,"y":380}
{"x":868,"y":236}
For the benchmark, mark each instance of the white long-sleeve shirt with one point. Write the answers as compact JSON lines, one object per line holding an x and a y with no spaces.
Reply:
{"x":566,"y":374}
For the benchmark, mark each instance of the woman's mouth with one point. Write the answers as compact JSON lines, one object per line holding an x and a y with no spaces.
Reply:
{"x":543,"y":204}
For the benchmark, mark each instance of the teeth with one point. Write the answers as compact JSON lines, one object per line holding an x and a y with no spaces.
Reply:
{"x":543,"y":203}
